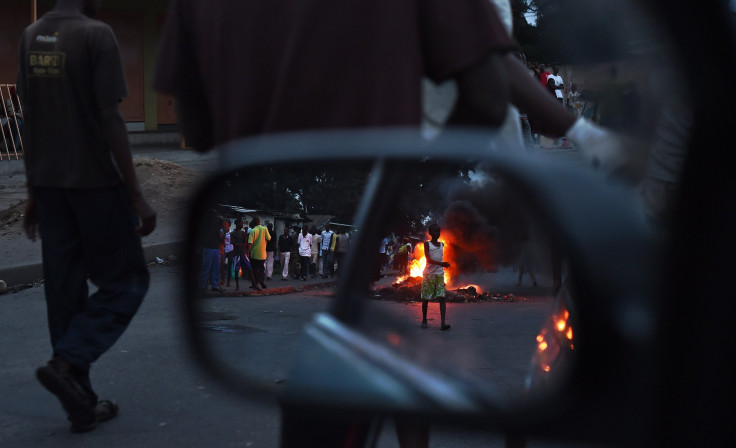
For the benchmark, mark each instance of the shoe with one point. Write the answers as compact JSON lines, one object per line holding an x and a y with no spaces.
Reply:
{"x":218,"y":289}
{"x":263,"y":285}
{"x":284,"y":279}
{"x":304,"y":279}
{"x":445,"y":327}
{"x":424,"y":325}
{"x":57,"y":376}
{"x":106,"y":410}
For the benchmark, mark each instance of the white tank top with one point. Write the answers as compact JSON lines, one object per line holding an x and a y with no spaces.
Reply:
{"x":435,"y":253}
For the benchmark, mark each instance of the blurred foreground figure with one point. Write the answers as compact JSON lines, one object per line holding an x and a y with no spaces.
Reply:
{"x":84,"y":196}
{"x":248,"y":68}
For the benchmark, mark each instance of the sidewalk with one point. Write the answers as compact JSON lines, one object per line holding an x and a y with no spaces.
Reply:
{"x":20,"y":258}
{"x":274,"y":286}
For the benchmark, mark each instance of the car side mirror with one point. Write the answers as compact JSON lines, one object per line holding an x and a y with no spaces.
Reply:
{"x":354,"y":342}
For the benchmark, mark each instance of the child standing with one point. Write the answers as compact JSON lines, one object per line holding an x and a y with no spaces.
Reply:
{"x":433,"y":281}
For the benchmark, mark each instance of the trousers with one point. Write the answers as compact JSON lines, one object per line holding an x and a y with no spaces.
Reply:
{"x":89,"y":234}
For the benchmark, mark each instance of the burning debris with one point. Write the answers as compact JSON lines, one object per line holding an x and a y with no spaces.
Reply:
{"x":408,"y":289}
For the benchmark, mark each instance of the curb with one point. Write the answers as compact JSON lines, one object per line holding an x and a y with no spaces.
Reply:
{"x":28,"y":273}
{"x":270,"y":291}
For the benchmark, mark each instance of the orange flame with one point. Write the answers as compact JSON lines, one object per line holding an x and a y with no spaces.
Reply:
{"x":418,"y":262}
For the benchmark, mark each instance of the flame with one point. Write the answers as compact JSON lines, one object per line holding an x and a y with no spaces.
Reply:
{"x":418,"y":262}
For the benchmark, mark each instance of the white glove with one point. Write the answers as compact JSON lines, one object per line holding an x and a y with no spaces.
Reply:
{"x":603,"y":149}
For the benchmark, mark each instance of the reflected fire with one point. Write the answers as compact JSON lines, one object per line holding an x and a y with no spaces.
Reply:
{"x":417,"y":263}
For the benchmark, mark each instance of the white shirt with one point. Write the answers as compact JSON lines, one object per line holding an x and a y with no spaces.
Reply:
{"x":436,"y":254}
{"x":305,"y":245}
{"x":558,"y":82}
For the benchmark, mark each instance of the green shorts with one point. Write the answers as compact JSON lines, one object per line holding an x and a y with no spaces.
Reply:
{"x":433,"y":287}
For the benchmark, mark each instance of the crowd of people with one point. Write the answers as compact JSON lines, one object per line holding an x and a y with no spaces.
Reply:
{"x":254,"y":252}
{"x":567,"y":94}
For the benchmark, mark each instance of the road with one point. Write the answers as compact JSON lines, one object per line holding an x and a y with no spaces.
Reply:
{"x":165,"y":400}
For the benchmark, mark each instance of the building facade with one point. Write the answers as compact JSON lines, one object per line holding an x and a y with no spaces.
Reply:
{"x":137,"y":25}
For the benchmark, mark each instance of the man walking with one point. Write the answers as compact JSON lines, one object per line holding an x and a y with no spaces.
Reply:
{"x":84,"y":197}
{"x":316,"y":247}
{"x":286,"y":245}
{"x":270,"y":250}
{"x":257,"y":239}
{"x":343,"y":243}
{"x":328,"y":248}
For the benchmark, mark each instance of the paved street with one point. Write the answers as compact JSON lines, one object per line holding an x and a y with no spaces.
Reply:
{"x":166,"y":401}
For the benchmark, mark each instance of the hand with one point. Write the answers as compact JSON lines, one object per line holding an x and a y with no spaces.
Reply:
{"x":601,"y":148}
{"x":30,"y":219}
{"x":445,"y":264}
{"x":146,"y":214}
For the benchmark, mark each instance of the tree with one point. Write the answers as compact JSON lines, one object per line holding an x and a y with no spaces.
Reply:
{"x":525,"y":33}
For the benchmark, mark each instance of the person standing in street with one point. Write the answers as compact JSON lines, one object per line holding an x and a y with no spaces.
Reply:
{"x":270,"y":250}
{"x":285,"y":245}
{"x":241,"y":264}
{"x":342,"y":246}
{"x":316,"y":247}
{"x":555,"y":84}
{"x":257,"y":239}
{"x":210,"y":272}
{"x":83,"y":198}
{"x":433,"y":278}
{"x":328,"y":249}
{"x":305,"y":251}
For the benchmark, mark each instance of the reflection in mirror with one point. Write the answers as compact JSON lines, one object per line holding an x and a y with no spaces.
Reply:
{"x":253,"y":304}
{"x":501,"y":290}
{"x":499,"y":286}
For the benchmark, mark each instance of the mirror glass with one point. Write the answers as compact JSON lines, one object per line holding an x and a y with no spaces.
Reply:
{"x":499,"y":285}
{"x":250,"y":323}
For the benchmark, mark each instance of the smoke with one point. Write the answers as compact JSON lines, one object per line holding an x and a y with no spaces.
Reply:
{"x":484,"y":226}
{"x":470,"y":240}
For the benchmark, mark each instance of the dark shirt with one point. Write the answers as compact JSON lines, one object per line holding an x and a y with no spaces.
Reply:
{"x":311,"y":64}
{"x":238,"y":240}
{"x":271,"y":244}
{"x":286,"y":243}
{"x":70,"y":69}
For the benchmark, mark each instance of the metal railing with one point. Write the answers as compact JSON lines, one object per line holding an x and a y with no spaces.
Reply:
{"x":11,"y":119}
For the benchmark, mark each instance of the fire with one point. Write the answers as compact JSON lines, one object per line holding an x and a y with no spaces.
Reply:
{"x":418,"y":262}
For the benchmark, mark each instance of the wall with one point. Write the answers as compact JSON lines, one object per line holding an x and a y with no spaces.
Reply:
{"x":137,"y":25}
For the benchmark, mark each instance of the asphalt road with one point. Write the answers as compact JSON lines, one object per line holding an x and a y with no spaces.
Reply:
{"x":165,"y":400}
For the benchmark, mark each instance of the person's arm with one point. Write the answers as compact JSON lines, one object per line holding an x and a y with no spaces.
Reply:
{"x":530,"y":97}
{"x":482,"y":93}
{"x":116,"y":136}
{"x":250,"y":240}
